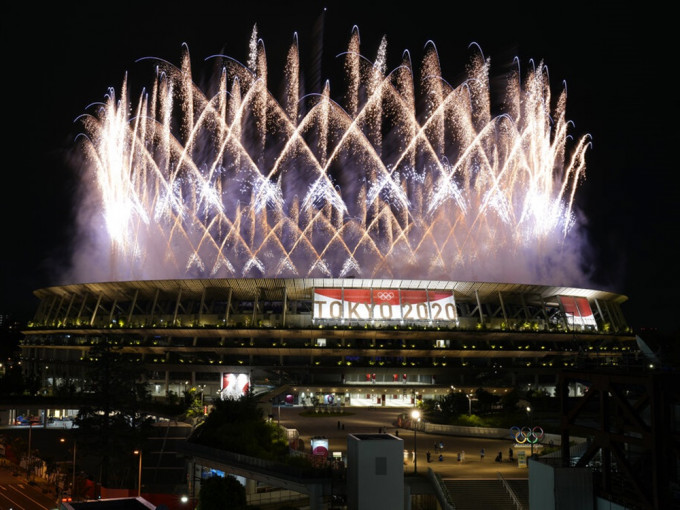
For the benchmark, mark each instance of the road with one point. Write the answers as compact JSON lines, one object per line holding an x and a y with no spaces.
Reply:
{"x":17,"y":494}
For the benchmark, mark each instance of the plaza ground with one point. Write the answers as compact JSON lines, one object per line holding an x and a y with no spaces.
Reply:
{"x":362,"y":420}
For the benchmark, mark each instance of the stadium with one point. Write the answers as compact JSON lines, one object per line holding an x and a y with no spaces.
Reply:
{"x":341,"y":252}
{"x":354,"y":342}
{"x":358,"y":254}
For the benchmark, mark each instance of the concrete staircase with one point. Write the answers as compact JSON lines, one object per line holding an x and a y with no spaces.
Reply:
{"x":487,"y":494}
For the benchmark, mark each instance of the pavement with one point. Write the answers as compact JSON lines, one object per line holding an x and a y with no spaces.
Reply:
{"x":362,"y":420}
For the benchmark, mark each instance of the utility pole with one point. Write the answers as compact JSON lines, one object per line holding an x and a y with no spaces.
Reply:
{"x":28,"y":462}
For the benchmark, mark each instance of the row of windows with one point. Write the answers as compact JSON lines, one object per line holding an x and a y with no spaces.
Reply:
{"x":58,"y":360}
{"x":510,"y":344}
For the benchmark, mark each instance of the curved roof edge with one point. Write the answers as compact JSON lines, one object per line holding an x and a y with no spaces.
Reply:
{"x":301,"y":288}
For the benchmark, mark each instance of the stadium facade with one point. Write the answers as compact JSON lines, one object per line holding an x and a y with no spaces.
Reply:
{"x":334,"y":341}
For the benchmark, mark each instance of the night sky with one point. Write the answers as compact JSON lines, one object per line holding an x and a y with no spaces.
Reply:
{"x":617,"y":63}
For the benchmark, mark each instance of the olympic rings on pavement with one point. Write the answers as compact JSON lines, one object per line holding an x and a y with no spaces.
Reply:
{"x":526,"y":434}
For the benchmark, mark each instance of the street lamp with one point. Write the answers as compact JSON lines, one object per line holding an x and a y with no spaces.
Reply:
{"x":415,"y":414}
{"x":469,"y":397}
{"x":73,"y":482}
{"x":531,"y":426}
{"x":192,"y":484}
{"x":139,"y":480}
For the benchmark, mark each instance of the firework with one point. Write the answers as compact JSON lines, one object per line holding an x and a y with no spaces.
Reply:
{"x":407,"y":176}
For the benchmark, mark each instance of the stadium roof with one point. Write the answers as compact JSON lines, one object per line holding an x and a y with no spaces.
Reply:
{"x":302,"y":288}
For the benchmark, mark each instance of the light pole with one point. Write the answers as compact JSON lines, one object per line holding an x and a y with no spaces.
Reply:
{"x":469,"y":397}
{"x":192,"y":482}
{"x":531,"y":427}
{"x":139,"y":479}
{"x":28,"y":462}
{"x":415,"y":414}
{"x":73,"y":482}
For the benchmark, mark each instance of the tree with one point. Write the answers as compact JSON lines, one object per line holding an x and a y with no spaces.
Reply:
{"x":114,"y":422}
{"x":238,"y":425}
{"x":66,"y":388}
{"x":13,"y":381}
{"x":19,"y":448}
{"x":447,"y":408}
{"x":216,"y":490}
{"x":194,"y":407}
{"x":485,"y":399}
{"x":510,"y":400}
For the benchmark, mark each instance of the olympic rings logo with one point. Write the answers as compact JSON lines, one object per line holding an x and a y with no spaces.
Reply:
{"x":385,"y":296}
{"x":526,"y":434}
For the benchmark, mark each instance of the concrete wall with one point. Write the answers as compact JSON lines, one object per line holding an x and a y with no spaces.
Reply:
{"x":488,"y":432}
{"x":375,"y":472}
{"x":541,"y":486}
{"x":552,"y":488}
{"x":604,"y":504}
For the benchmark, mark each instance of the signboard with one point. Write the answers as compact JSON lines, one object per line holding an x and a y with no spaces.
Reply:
{"x":320,"y":446}
{"x":234,"y":386}
{"x":578,"y":311}
{"x":384,"y":305}
{"x":522,"y":459}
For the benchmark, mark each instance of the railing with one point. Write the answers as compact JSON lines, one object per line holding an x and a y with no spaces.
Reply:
{"x":485,"y":432}
{"x":280,"y":469}
{"x":245,"y":320}
{"x":511,"y":492}
{"x":275,"y":496}
{"x":441,"y":491}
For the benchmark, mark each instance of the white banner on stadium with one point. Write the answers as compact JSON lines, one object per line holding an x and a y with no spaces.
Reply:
{"x":384,"y":304}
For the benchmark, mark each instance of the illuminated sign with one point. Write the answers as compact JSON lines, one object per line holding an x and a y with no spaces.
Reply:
{"x":234,"y":386}
{"x":578,"y":311}
{"x":384,"y":305}
{"x":320,"y":446}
